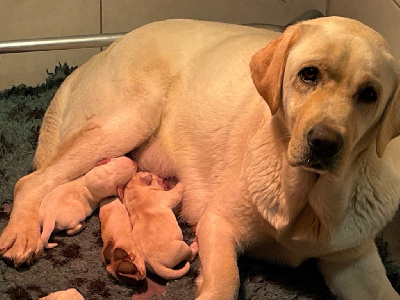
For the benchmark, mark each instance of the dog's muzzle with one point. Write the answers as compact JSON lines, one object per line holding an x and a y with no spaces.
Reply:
{"x":324,"y":144}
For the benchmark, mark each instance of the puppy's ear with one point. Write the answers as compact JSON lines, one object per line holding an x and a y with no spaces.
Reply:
{"x":147,"y":179}
{"x":267,"y":66}
{"x":390,"y":126}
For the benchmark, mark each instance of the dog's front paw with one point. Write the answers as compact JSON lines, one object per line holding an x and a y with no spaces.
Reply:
{"x":20,"y":242}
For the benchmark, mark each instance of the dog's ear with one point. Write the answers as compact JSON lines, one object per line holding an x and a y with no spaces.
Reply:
{"x":267,"y":66}
{"x":390,"y":126}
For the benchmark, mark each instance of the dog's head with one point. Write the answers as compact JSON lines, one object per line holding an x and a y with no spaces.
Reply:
{"x":335,"y":85}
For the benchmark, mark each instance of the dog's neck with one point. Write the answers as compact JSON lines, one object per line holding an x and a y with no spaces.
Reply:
{"x":282,"y":195}
{"x":295,"y":201}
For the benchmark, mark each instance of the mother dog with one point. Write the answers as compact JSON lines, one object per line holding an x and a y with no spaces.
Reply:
{"x":305,"y":176}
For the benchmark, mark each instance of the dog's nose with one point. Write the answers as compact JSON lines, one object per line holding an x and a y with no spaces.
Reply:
{"x":324,"y":142}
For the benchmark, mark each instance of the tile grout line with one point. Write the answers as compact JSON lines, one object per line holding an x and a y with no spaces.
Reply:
{"x":101,"y":19}
{"x":328,"y":8}
{"x":101,"y":16}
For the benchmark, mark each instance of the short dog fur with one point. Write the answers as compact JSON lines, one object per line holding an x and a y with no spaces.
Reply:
{"x":120,"y":253}
{"x":68,"y":205}
{"x":154,"y":225}
{"x":285,"y":143}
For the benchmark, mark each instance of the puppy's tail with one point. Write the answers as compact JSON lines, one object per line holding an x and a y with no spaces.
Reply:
{"x":168,"y":273}
{"x":47,"y":229}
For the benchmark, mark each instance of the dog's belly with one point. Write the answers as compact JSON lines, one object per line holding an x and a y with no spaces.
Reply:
{"x":153,"y":157}
{"x":276,"y":253}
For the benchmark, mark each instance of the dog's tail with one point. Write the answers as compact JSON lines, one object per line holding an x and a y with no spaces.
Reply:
{"x":47,"y":228}
{"x":168,"y":273}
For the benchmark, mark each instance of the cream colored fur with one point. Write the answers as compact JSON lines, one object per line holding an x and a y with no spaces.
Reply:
{"x":70,"y":294}
{"x":67,"y":206}
{"x":120,"y":253}
{"x":154,"y":226}
{"x":183,"y":92}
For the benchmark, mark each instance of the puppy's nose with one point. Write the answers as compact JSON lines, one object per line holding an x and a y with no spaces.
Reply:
{"x":324,"y":142}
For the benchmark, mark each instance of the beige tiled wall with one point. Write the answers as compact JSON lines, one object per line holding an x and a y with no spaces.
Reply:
{"x":21,"y":19}
{"x":125,"y":15}
{"x":382,"y":15}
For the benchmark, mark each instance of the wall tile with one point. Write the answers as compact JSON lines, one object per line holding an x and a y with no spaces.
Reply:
{"x":20,"y":19}
{"x":30,"y":68}
{"x":126,"y":15}
{"x":382,"y":15}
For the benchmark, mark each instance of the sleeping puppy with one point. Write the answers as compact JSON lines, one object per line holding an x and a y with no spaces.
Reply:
{"x":122,"y":256}
{"x":285,"y":143}
{"x":154,"y":225}
{"x":68,"y":205}
{"x":70,"y":294}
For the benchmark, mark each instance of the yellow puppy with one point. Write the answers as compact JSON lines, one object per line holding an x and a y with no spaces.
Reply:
{"x":67,"y":206}
{"x":123,"y":258}
{"x":154,"y":225}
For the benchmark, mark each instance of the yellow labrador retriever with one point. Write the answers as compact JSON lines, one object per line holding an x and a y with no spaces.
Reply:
{"x":300,"y":171}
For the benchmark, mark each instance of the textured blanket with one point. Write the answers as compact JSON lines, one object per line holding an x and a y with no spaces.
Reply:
{"x":76,"y":261}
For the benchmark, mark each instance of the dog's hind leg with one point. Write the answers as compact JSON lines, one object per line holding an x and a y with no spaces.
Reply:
{"x":112,"y":137}
{"x":49,"y":137}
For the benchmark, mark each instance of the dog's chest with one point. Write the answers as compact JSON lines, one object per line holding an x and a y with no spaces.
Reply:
{"x":373,"y":203}
{"x":366,"y":207}
{"x":336,"y":215}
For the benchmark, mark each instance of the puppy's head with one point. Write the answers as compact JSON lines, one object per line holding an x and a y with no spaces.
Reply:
{"x":142,"y":179}
{"x":335,"y":85}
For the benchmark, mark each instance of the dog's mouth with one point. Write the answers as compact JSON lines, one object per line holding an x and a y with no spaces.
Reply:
{"x":314,"y":164}
{"x":318,"y":149}
{"x":317,"y":166}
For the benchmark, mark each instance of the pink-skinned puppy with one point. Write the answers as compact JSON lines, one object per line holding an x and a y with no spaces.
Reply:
{"x":67,"y":206}
{"x":154,"y":226}
{"x":124,"y":260}
{"x":70,"y":294}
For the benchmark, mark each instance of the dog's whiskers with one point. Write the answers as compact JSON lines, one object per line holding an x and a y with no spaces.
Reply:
{"x":285,"y":136}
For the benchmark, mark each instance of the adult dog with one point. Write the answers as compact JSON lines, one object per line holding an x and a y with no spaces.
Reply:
{"x":305,"y":176}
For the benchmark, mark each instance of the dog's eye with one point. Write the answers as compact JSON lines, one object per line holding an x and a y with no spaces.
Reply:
{"x":368,"y":95}
{"x":309,"y":74}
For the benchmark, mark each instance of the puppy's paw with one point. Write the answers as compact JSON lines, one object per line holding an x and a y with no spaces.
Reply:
{"x":21,"y":242}
{"x":124,"y":267}
{"x":194,"y":246}
{"x":77,"y":229}
{"x":126,"y":270}
{"x":70,"y":294}
{"x":179,"y":188}
{"x":50,"y":245}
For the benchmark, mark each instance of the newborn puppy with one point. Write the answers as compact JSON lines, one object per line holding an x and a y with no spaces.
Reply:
{"x":154,"y":226}
{"x":70,"y":294}
{"x":124,"y":261}
{"x":67,"y":206}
